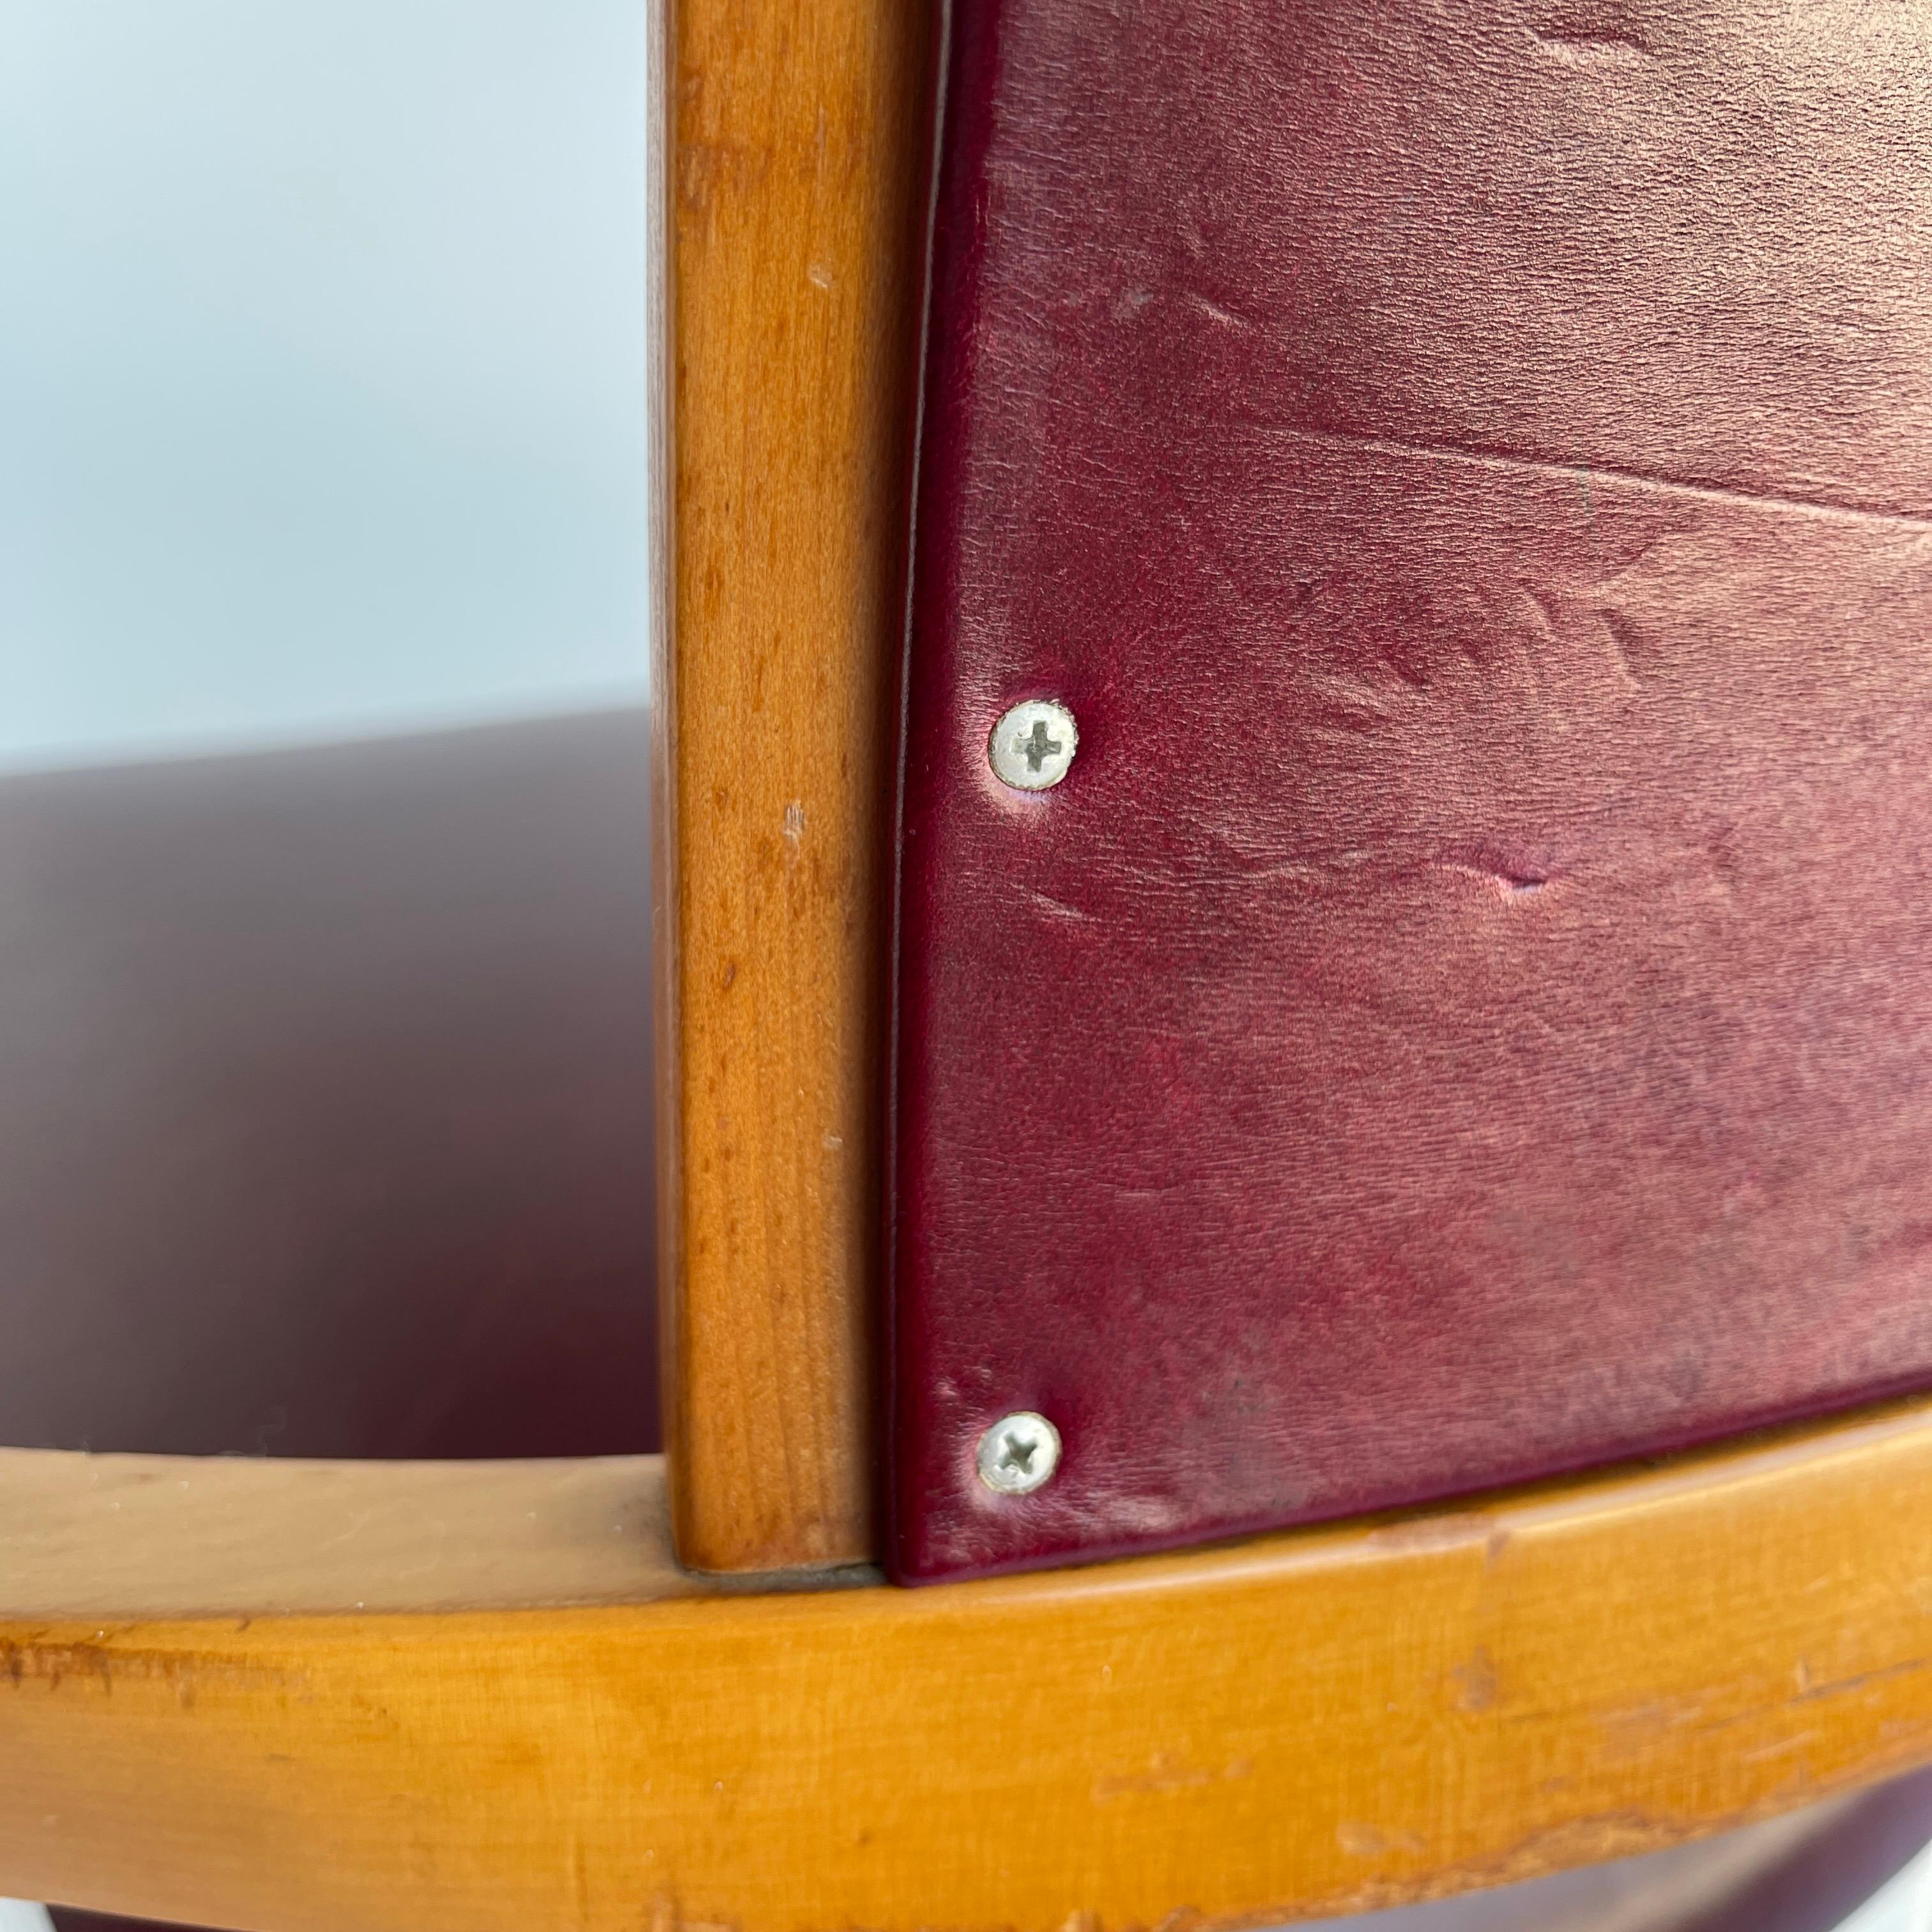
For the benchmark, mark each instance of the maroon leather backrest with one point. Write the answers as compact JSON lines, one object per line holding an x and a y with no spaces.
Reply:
{"x":1467,"y":1011}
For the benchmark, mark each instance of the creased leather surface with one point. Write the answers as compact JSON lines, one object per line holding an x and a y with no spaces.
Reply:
{"x":1468,"y":1013}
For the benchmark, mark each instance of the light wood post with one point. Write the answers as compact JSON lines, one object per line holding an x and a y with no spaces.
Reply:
{"x":796,"y":190}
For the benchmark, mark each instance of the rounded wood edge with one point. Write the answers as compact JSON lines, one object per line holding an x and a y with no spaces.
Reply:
{"x":1336,"y":1720}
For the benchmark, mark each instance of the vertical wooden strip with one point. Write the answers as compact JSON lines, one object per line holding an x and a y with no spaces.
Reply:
{"x":798,"y":184}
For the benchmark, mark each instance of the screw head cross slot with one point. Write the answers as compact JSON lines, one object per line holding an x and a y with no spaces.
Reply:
{"x":1032,"y":745}
{"x":1037,"y":747}
{"x":1019,"y":1454}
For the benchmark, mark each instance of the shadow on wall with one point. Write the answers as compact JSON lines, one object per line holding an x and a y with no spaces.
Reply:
{"x":325,"y":1112}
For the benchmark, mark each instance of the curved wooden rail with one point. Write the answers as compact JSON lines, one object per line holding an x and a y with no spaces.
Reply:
{"x":290,"y":1696}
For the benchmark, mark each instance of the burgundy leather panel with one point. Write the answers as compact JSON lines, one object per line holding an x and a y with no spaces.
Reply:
{"x":1467,"y":1011}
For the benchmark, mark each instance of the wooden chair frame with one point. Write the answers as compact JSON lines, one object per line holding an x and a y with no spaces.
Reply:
{"x":291,"y":1695}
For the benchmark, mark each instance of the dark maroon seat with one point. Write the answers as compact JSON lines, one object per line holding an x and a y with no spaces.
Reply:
{"x":326,"y":1099}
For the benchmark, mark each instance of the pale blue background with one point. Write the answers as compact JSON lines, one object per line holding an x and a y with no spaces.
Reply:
{"x":322,"y":368}
{"x":322,"y":371}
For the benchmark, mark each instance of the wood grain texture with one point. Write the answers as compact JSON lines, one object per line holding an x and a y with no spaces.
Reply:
{"x":180,"y":1536}
{"x":798,"y":187}
{"x":1317,"y":1721}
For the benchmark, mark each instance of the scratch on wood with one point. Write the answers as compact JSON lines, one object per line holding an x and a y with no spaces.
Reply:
{"x":1588,"y":1841}
{"x":1475,"y":1681}
{"x":1839,"y":1687}
{"x":1636,"y":1727}
{"x":705,"y":169}
{"x":665,"y":1916}
{"x":1454,"y":1529}
{"x":1783,"y":1747}
{"x":1167,"y":1773}
{"x":104,"y":1664}
{"x":580,"y":1878}
{"x":1184,"y":1918}
{"x":1362,"y":1841}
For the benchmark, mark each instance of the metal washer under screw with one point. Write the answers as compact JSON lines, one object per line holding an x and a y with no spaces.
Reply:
{"x":1032,"y":745}
{"x":1019,"y":1454}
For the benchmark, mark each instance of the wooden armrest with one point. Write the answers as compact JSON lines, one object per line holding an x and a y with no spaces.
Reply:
{"x":214,"y":1704}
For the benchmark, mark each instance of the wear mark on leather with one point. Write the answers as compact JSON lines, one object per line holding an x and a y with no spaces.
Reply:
{"x":1628,"y":641}
{"x":1514,"y":881}
{"x":1226,"y":317}
{"x":1508,"y":460}
{"x":1055,"y":908}
{"x":1576,"y":49}
{"x":1627,"y":649}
